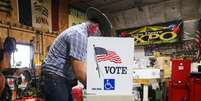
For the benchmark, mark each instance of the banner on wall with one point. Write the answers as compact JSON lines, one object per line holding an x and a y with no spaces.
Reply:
{"x":109,"y":66}
{"x":41,"y":14}
{"x":5,"y":6}
{"x":155,"y":34}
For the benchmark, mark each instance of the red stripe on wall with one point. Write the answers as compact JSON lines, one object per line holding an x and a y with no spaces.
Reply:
{"x":55,"y":15}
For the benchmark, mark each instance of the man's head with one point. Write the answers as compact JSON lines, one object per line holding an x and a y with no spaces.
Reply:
{"x":98,"y":22}
{"x":93,"y":29}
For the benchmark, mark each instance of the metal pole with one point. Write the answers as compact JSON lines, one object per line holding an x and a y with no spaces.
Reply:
{"x":97,"y":66}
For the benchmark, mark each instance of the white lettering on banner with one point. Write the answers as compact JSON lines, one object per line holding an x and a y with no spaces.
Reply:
{"x":115,"y":70}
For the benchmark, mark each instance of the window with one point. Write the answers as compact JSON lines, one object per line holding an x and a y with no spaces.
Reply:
{"x":22,"y":57}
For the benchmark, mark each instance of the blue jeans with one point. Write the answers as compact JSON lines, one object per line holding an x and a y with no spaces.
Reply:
{"x":55,"y":88}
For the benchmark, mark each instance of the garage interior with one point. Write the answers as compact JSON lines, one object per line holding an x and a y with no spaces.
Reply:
{"x":166,"y":34}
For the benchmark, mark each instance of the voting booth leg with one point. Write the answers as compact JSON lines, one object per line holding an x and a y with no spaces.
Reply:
{"x":145,"y":93}
{"x":110,"y":98}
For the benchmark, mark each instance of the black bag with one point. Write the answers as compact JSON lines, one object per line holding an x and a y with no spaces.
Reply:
{"x":10,"y":44}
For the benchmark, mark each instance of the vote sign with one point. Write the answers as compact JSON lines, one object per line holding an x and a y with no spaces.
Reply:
{"x":109,"y":65}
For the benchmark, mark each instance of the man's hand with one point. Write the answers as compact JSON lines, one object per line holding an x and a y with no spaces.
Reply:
{"x":79,"y":70}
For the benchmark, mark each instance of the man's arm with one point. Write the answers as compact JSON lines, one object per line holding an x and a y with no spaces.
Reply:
{"x":79,"y":70}
{"x":78,"y":48}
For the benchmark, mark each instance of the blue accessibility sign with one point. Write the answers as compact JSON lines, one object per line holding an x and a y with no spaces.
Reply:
{"x":109,"y":84}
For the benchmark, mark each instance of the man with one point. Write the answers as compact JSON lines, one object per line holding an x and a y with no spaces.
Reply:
{"x":67,"y":55}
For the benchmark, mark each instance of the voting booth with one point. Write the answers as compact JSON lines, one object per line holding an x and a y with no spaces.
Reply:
{"x":146,"y":74}
{"x":109,"y":69}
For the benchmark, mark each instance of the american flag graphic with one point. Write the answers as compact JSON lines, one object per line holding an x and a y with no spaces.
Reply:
{"x":197,"y":40}
{"x":106,"y":55}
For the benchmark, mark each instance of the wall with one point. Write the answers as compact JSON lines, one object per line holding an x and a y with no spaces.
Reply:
{"x":63,"y":15}
{"x":161,"y":12}
{"x":28,"y":35}
{"x":75,"y":17}
{"x":157,"y":13}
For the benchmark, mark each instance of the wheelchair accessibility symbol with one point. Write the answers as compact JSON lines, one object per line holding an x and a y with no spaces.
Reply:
{"x":109,"y":84}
